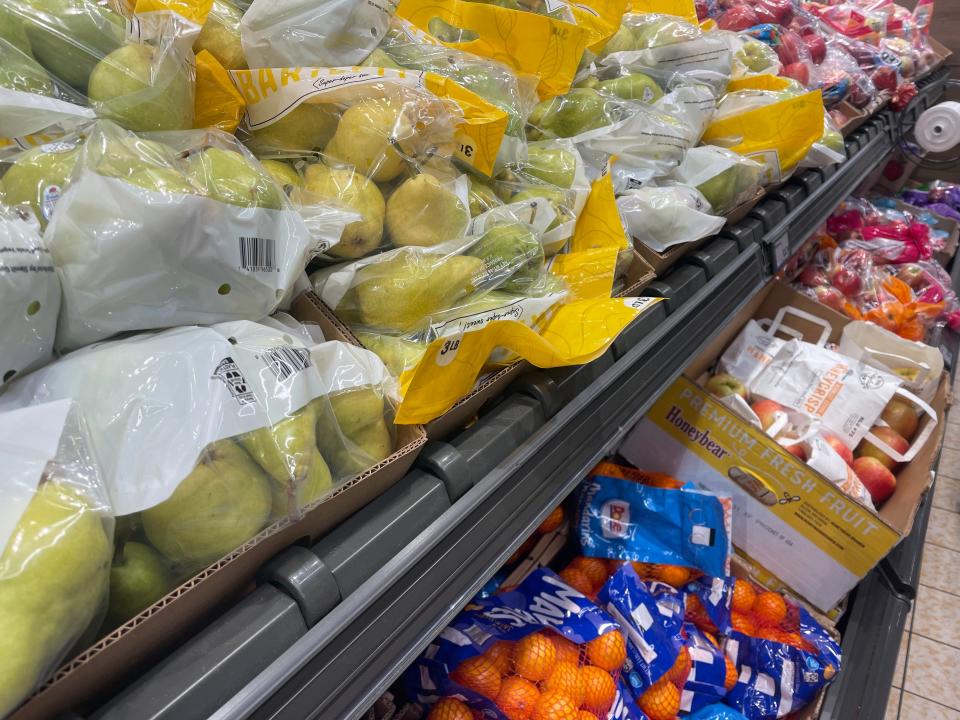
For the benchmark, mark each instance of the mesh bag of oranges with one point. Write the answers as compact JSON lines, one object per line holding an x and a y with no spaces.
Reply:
{"x":782,"y":654}
{"x":541,"y":651}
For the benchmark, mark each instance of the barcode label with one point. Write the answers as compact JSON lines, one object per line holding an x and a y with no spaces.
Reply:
{"x":286,"y":361}
{"x":257,"y":254}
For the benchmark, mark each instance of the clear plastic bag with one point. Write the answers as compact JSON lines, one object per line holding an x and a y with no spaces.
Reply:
{"x":248,"y":407}
{"x":304,"y":33}
{"x":724,"y":178}
{"x":220,"y":35}
{"x":661,"y":217}
{"x":181,"y":228}
{"x":56,"y":533}
{"x":29,"y":296}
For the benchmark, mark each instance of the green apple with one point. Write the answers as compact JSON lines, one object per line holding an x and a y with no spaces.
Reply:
{"x":69,"y":37}
{"x":138,"y":578}
{"x":143,"y":89}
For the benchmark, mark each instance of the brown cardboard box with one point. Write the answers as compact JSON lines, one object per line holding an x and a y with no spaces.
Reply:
{"x":942,"y":52}
{"x":178,"y":615}
{"x":639,"y":275}
{"x":819,"y":541}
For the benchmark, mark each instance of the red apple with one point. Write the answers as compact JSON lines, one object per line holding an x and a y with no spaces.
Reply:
{"x":891,"y":437}
{"x":901,"y":416}
{"x":831,"y":297}
{"x":738,"y":18}
{"x":767,"y":411}
{"x":885,"y":78}
{"x":812,"y":276}
{"x":776,"y":12}
{"x":846,"y":281}
{"x":791,"y":48}
{"x":911,"y":273}
{"x":817,"y":46}
{"x":797,"y":71}
{"x":797,"y":450}
{"x":839,"y":447}
{"x":875,"y":476}
{"x":724,"y":385}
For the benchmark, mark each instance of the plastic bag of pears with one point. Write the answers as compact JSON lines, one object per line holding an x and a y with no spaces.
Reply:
{"x":750,"y":56}
{"x":171,"y":229}
{"x":266,"y":423}
{"x":406,"y":46}
{"x":302,"y":33}
{"x":56,"y":537}
{"x":220,"y":35}
{"x":29,"y":295}
{"x":669,"y":44}
{"x":85,"y":59}
{"x":724,"y":178}
{"x":661,"y":217}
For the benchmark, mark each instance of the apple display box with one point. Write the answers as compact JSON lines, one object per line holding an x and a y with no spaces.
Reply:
{"x":113,"y":660}
{"x":804,"y":530}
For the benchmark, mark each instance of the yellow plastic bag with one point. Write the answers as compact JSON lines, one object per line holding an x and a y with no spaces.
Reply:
{"x":685,"y":9}
{"x":573,"y":334}
{"x":601,"y":18}
{"x":532,"y":44}
{"x":218,"y":103}
{"x":777,"y":136}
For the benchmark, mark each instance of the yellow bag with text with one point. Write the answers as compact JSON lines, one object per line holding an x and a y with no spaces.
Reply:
{"x":686,"y":9}
{"x":768,"y":126}
{"x":530,"y":43}
{"x":411,"y":115}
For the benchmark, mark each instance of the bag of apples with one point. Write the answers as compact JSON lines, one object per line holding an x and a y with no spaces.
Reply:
{"x":541,"y":651}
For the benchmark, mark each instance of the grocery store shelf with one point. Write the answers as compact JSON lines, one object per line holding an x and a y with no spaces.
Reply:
{"x":376,"y":590}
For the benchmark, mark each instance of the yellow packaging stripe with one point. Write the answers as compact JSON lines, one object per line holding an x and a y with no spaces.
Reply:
{"x":810,"y":504}
{"x":576,"y":333}
{"x":599,"y":224}
{"x":759,"y":82}
{"x":195,"y":11}
{"x":588,"y":273}
{"x":217,"y":102}
{"x":601,"y":18}
{"x":685,"y":9}
{"x":530,"y":43}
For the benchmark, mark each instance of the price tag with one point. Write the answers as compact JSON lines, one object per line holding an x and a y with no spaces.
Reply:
{"x":781,"y":251}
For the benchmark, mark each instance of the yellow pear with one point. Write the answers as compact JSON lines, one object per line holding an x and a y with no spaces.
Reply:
{"x":220,"y":35}
{"x":422,"y":211}
{"x":54,"y":576}
{"x":222,"y":503}
{"x":306,"y":128}
{"x":366,"y":138}
{"x":355,"y":435}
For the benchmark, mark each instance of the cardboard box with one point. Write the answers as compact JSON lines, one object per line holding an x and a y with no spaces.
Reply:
{"x":942,"y":52}
{"x":815,"y":538}
{"x":639,"y":275}
{"x":117,"y":657}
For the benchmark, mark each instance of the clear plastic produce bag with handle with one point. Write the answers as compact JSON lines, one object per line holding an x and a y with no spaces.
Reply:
{"x":56,"y":533}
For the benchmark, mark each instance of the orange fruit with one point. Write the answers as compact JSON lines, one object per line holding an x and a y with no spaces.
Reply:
{"x":743,"y":623}
{"x":644,"y":570}
{"x":480,"y":674}
{"x":743,"y":596}
{"x":769,"y":609}
{"x":599,"y":689}
{"x":499,"y":654}
{"x":672,"y":575}
{"x":552,"y":521}
{"x":614,"y":565}
{"x":554,"y":705}
{"x":450,"y":709}
{"x":577,"y":580}
{"x":731,"y":678}
{"x":534,"y":657}
{"x":711,"y":638}
{"x":567,"y":651}
{"x":609,"y":651}
{"x":594,"y":568}
{"x":566,"y":680}
{"x":661,"y":701}
{"x":517,"y":698}
{"x":696,"y":613}
{"x":681,"y":668}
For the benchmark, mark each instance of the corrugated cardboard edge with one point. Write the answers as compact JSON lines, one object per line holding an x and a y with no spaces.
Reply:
{"x":639,"y":275}
{"x":171,"y":619}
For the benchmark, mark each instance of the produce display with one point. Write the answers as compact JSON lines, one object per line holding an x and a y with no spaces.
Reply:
{"x":247,"y":249}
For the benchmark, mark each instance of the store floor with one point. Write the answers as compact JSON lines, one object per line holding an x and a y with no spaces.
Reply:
{"x":924,"y":684}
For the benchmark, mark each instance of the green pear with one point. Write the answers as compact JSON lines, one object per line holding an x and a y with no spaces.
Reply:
{"x":424,"y":212}
{"x":554,"y":164}
{"x":220,"y":35}
{"x":55,"y":572}
{"x":12,"y":30}
{"x":652,"y":30}
{"x":482,"y":196}
{"x":447,"y":33}
{"x":284,"y":175}
{"x":144,"y":163}
{"x":400,"y":293}
{"x":143,"y":89}
{"x":635,"y":86}
{"x":306,"y":128}
{"x":355,"y":435}
{"x":756,"y":56}
{"x":579,"y":110}
{"x":289,"y":455}
{"x":222,"y":503}
{"x":229,"y":177}
{"x":379,"y":58}
{"x":38,"y":177}
{"x":69,"y":37}
{"x":621,"y":41}
{"x":397,"y":353}
{"x":513,"y":253}
{"x":357,"y":194}
{"x":138,"y":578}
{"x":366,"y":138}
